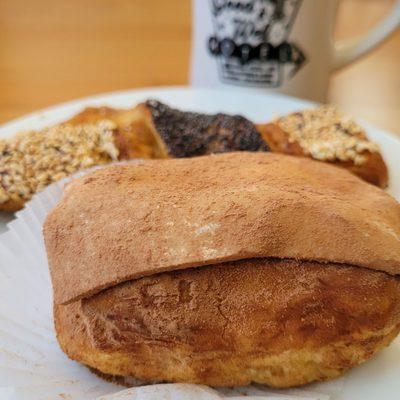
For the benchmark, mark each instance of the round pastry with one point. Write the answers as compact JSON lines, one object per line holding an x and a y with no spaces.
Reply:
{"x":224,"y":270}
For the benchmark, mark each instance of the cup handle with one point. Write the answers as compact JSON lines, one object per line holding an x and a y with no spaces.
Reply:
{"x":349,"y":50}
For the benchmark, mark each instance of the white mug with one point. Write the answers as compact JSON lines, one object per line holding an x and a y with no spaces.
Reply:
{"x":279,"y":45}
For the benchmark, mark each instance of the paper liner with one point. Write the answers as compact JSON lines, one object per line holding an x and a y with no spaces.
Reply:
{"x":33,"y":367}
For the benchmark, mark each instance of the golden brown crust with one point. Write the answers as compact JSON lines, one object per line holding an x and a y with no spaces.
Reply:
{"x":135,"y":136}
{"x":171,"y":214}
{"x":278,"y":322}
{"x":12,"y":205}
{"x":372,"y":170}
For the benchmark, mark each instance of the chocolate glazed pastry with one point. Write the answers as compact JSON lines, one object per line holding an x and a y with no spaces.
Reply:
{"x":224,"y":270}
{"x":188,"y":134}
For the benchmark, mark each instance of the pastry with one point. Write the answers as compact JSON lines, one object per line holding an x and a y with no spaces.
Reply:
{"x":32,"y":160}
{"x":325,"y":134}
{"x":188,"y":134}
{"x":224,"y":270}
{"x":174,"y":133}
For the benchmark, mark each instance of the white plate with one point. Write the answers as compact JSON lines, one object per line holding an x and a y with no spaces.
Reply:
{"x":378,"y":378}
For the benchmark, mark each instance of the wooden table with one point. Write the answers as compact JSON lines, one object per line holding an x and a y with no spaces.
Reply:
{"x":53,"y":51}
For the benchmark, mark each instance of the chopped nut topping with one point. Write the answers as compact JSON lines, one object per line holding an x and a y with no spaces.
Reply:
{"x":32,"y":160}
{"x":326,"y":134}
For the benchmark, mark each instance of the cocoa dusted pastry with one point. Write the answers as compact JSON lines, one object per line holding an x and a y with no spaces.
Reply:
{"x":224,"y":270}
{"x":325,"y":134}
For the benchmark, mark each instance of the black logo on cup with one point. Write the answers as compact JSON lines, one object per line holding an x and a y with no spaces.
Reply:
{"x":251,"y":41}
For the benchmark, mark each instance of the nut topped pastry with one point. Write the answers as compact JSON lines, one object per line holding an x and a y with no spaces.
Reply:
{"x":325,"y":134}
{"x":32,"y":160}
